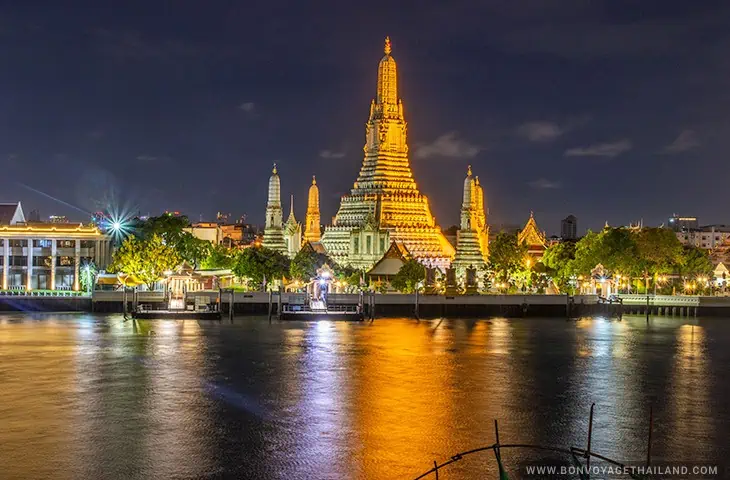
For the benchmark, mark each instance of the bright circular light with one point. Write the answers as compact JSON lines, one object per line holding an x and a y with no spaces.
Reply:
{"x":116,"y":226}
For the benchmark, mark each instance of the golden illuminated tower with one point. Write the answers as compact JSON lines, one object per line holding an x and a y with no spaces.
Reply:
{"x":384,"y":204}
{"x":273,"y":234}
{"x":472,"y":239}
{"x":312,"y":230}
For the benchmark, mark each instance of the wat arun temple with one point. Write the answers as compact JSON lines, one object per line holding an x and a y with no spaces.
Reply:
{"x":384,"y":206}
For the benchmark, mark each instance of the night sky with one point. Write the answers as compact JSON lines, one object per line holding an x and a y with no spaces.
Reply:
{"x":609,"y":110}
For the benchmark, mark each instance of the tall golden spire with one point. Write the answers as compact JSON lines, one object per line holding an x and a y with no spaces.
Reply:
{"x":385,"y":199}
{"x":387,"y":79}
{"x":312,"y":229}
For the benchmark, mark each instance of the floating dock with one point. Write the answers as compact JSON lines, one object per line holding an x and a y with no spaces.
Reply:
{"x":176,"y":315}
{"x":318,"y":310}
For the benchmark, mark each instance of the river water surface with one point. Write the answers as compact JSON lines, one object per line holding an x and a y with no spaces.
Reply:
{"x":94,"y":397}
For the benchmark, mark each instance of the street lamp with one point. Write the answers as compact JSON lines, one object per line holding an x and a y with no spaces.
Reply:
{"x":659,"y":279}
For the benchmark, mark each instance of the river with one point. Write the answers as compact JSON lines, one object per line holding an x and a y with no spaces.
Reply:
{"x":95,"y":397}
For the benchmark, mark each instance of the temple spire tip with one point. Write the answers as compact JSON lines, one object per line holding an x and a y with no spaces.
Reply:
{"x":314,"y":180}
{"x":273,"y":170}
{"x":468,"y":171}
{"x":387,"y":48}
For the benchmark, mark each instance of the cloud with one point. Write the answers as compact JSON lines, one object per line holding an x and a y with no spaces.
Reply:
{"x":686,"y":140}
{"x":544,"y":184}
{"x":448,"y":146}
{"x":132,"y":44}
{"x":611,"y":149}
{"x":331,"y":154}
{"x":248,"y":107}
{"x":540,"y":131}
{"x":147,"y":158}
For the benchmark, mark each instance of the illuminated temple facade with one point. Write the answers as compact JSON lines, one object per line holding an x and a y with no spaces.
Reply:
{"x":472,"y":239}
{"x":273,"y":232}
{"x":385,"y":205}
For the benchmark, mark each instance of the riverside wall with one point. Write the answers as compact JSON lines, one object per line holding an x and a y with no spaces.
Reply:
{"x":395,"y":305}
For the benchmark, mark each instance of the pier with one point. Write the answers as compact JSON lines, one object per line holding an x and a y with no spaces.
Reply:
{"x":370,"y":306}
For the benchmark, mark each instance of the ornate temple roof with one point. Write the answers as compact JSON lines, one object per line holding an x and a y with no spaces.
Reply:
{"x":531,"y":234}
{"x":392,"y":260}
{"x":291,"y":226}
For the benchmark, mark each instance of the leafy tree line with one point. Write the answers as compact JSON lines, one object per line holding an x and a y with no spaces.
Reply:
{"x":161,"y":244}
{"x":642,"y":255}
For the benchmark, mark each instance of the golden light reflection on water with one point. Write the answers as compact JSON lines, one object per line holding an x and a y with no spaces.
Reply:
{"x":159,"y":399}
{"x":690,"y":379}
{"x":175,"y":407}
{"x":404,"y":404}
{"x":34,"y":401}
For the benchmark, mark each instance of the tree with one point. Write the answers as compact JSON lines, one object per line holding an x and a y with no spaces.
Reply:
{"x":192,"y":249}
{"x":506,"y":256}
{"x":409,"y":276}
{"x":614,"y":248}
{"x":695,"y":262}
{"x":87,"y":276}
{"x":559,"y":261}
{"x":257,"y":263}
{"x":305,"y":264}
{"x":349,"y":275}
{"x":586,"y":255}
{"x":220,"y":256}
{"x":171,"y":229}
{"x":659,"y":250}
{"x":147,"y":259}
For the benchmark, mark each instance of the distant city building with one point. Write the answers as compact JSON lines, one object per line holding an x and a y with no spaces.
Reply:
{"x":222,"y":217}
{"x":569,"y":228}
{"x":34,"y":217}
{"x":210,"y":231}
{"x":39,"y":256}
{"x":58,"y":219}
{"x":707,"y":237}
{"x":678,"y":223}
